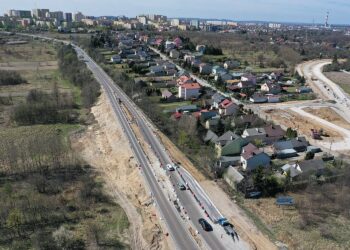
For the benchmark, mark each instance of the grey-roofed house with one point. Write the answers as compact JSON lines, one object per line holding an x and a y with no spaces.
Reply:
{"x":228,"y":136}
{"x":187,"y":108}
{"x":210,"y":137}
{"x":300,"y":144}
{"x":274,"y":133}
{"x":217,"y":99}
{"x":252,"y":134}
{"x":286,"y":153}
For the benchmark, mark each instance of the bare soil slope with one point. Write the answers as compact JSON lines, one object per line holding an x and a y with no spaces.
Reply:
{"x":104,"y":147}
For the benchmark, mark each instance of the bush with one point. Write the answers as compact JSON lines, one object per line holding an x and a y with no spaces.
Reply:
{"x":10,"y":78}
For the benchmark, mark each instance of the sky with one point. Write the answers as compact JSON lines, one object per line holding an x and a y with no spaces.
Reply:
{"x":307,"y":11}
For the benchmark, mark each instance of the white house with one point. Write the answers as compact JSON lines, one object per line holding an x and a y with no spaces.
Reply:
{"x":189,"y":90}
{"x":227,"y":107}
{"x":116,"y":59}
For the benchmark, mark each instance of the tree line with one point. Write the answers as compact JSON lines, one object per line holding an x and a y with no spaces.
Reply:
{"x":77,"y":73}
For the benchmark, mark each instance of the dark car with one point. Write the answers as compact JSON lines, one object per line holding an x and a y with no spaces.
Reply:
{"x":205,"y":225}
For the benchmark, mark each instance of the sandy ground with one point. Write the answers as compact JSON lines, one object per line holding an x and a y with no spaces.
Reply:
{"x":288,"y":118}
{"x":330,"y":115}
{"x":45,"y":65}
{"x":104,"y":146}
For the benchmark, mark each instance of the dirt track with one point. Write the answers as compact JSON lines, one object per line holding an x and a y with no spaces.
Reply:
{"x":104,"y":147}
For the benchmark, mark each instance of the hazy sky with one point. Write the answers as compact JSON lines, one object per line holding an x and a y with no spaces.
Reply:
{"x":264,"y":10}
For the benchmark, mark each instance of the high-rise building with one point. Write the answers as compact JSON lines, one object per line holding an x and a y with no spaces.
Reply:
{"x":195,"y":23}
{"x":68,"y":17}
{"x":40,"y":13}
{"x":175,"y":22}
{"x":20,"y":13}
{"x":78,"y":16}
{"x":58,"y":15}
{"x":142,"y":19}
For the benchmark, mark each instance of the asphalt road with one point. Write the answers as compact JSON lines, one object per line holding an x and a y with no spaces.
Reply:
{"x":177,"y":229}
{"x":212,"y":240}
{"x":178,"y":232}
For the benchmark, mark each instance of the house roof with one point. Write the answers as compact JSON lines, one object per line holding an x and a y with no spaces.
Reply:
{"x":294,"y":169}
{"x":282,"y":145}
{"x":299,"y":142}
{"x":191,"y":86}
{"x":228,"y":136}
{"x":210,"y":136}
{"x":234,"y":147}
{"x":274,"y":131}
{"x":312,"y":165}
{"x":255,"y":131}
{"x":217,"y":97}
{"x":234,"y":174}
{"x":166,"y":93}
{"x":250,"y":151}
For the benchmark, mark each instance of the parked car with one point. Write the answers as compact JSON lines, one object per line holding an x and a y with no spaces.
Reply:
{"x":170,"y":167}
{"x":205,"y":225}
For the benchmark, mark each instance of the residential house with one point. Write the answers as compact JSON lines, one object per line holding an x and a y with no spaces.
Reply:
{"x":217,"y":99}
{"x":300,"y":144}
{"x":225,"y":138}
{"x":189,"y":90}
{"x":286,"y":153}
{"x":303,"y":90}
{"x":169,"y":45}
{"x":249,"y":78}
{"x":210,"y":137}
{"x":157,"y":71}
{"x":231,"y":65}
{"x":223,"y":77}
{"x":252,"y":157}
{"x":205,"y":69}
{"x":246,"y":85}
{"x":273,"y":98}
{"x":174,"y":54}
{"x":304,"y":169}
{"x":178,"y":42}
{"x":274,"y":133}
{"x":258,"y":98}
{"x":212,"y":122}
{"x":168,"y":96}
{"x":251,"y":134}
{"x":226,"y":161}
{"x":228,"y":107}
{"x":271,"y":88}
{"x":187,"y":108}
{"x":116,"y":59}
{"x":217,"y":70}
{"x":291,"y":169}
{"x":232,"y":148}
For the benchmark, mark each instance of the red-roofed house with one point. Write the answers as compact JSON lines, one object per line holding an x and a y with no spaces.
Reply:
{"x":178,"y":42}
{"x":227,"y":107}
{"x":252,"y":157}
{"x":189,"y":90}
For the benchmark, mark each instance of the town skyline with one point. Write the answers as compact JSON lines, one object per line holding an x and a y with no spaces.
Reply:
{"x":269,"y":11}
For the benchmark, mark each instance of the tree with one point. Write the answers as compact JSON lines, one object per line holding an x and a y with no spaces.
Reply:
{"x":182,"y":139}
{"x":309,"y":155}
{"x":290,"y":133}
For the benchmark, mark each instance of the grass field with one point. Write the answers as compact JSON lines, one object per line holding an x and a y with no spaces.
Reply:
{"x":341,"y":78}
{"x":33,"y":51}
